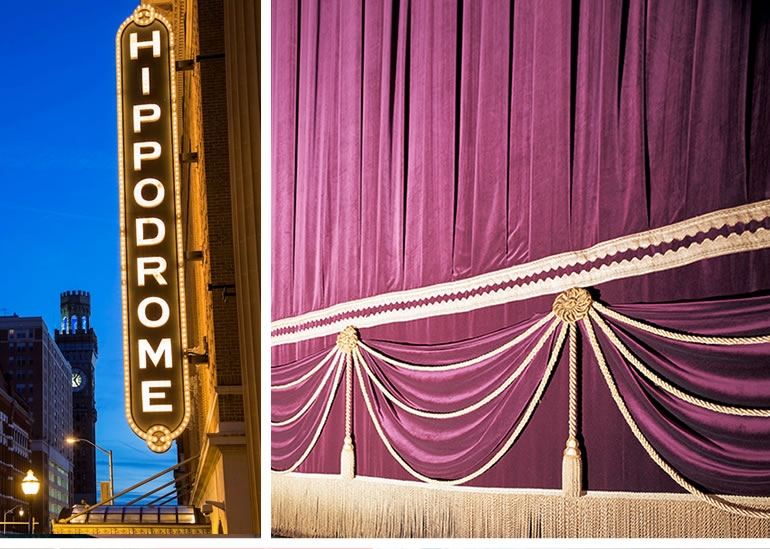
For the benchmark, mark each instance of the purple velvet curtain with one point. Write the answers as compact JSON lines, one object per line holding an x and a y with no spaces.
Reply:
{"x":422,"y":142}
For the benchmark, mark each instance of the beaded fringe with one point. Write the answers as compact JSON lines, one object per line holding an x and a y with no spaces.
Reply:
{"x":327,"y":506}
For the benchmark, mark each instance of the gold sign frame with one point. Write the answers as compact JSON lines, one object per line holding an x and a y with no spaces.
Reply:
{"x":156,"y":369}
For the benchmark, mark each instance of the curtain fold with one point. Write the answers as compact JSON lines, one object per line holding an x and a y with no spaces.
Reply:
{"x":458,"y":403}
{"x":721,"y":452}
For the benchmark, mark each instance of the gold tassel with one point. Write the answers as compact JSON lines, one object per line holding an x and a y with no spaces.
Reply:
{"x":572,"y":469}
{"x":347,"y":341}
{"x":348,"y":459}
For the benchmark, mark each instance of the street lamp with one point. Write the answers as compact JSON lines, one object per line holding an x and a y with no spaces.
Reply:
{"x":11,"y":510}
{"x":30,"y":486}
{"x":73,"y":440}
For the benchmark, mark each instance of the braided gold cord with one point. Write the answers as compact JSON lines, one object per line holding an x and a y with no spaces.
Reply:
{"x":534,"y":401}
{"x":669,"y":388}
{"x":306,"y":376}
{"x":463,"y":411}
{"x":573,"y":384}
{"x":711,"y":500}
{"x":348,"y":397}
{"x":458,"y":365}
{"x":312,"y":399}
{"x":572,"y":465}
{"x":687,"y":338}
{"x":321,"y":425}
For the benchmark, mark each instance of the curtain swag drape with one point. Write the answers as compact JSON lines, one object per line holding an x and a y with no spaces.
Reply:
{"x":672,"y":388}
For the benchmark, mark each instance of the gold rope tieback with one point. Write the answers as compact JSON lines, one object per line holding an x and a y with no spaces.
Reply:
{"x":347,"y":340}
{"x":572,"y":305}
{"x":572,"y":464}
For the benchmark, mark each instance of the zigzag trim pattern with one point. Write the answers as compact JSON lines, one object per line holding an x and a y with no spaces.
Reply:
{"x":724,"y":232}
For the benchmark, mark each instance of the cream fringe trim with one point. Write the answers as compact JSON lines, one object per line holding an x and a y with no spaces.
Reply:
{"x":328,"y":506}
{"x":396,"y":305}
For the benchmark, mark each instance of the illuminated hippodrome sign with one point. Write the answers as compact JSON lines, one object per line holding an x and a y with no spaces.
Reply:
{"x":154,"y":341}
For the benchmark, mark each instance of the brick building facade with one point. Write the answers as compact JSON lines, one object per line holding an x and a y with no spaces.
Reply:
{"x":217,"y":82}
{"x":39,"y":376}
{"x":15,"y":456}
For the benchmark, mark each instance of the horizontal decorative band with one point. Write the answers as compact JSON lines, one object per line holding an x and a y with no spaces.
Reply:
{"x":724,"y":232}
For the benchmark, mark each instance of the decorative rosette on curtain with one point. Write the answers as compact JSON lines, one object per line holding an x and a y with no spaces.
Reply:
{"x":692,"y":388}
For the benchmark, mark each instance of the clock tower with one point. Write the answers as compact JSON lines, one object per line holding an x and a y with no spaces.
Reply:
{"x":78,"y":344}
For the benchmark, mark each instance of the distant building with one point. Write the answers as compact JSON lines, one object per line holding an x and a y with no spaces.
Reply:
{"x":15,"y":454}
{"x":39,"y":375}
{"x":78,"y":343}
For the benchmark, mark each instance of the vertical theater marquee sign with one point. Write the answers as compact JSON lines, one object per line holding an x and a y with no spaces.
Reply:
{"x":154,"y":332}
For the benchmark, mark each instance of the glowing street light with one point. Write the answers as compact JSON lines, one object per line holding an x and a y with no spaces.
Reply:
{"x":73,"y":440}
{"x":30,"y":486}
{"x":11,"y":510}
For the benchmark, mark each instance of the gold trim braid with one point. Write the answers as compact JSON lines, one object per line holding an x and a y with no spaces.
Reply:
{"x":582,"y":268}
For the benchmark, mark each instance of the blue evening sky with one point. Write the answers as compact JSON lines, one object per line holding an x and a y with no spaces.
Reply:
{"x":59,"y":216}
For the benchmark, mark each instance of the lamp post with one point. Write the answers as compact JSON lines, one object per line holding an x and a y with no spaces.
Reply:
{"x":11,"y":510}
{"x":30,"y":486}
{"x":73,"y":440}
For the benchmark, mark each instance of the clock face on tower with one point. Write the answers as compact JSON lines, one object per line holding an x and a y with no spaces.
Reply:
{"x":78,"y":379}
